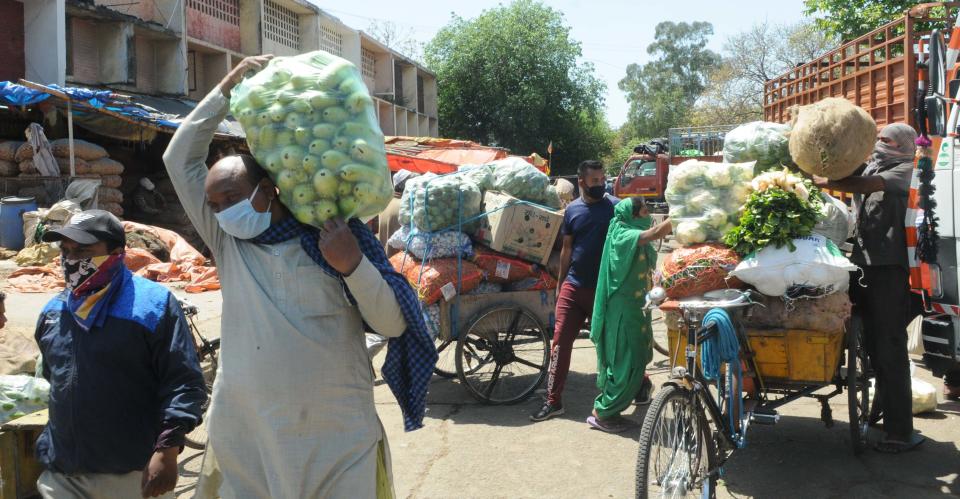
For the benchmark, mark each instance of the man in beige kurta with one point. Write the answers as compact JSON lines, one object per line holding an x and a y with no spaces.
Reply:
{"x":292,"y":413}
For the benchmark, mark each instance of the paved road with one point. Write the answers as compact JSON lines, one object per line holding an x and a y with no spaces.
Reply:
{"x":469,"y":450}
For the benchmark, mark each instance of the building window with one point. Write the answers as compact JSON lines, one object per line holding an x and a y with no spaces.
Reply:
{"x":281,"y":25}
{"x":69,"y":37}
{"x":131,"y":60}
{"x":420,"y":106}
{"x":368,"y":63}
{"x":331,"y":41}
{"x":192,"y":70}
{"x":225,"y":10}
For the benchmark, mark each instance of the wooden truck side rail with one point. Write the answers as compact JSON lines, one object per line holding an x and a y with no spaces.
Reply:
{"x":876,"y":71}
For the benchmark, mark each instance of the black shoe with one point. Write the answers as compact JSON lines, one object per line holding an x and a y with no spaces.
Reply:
{"x":645,"y":395}
{"x":546,"y":412}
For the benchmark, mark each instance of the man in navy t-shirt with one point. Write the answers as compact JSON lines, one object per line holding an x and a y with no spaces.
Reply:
{"x":584,"y":231}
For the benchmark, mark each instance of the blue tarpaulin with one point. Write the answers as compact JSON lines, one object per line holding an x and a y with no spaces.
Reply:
{"x":14,"y":94}
{"x":19,"y":95}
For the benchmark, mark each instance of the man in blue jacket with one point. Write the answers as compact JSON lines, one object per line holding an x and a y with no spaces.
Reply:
{"x":125,"y":382}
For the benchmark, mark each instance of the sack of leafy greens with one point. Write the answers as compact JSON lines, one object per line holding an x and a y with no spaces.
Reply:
{"x":311,"y":123}
{"x":705,"y":198}
{"x":766,"y":143}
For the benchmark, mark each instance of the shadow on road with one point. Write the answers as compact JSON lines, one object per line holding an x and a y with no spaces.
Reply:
{"x":578,"y":398}
{"x":819,"y":458}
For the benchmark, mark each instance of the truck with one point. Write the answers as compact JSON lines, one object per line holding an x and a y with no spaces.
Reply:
{"x":645,"y":172}
{"x":881,"y":72}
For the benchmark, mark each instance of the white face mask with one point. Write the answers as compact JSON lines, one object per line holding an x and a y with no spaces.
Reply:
{"x":242,"y":220}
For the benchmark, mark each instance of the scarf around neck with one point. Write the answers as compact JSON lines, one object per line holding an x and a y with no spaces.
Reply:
{"x":411,"y":356}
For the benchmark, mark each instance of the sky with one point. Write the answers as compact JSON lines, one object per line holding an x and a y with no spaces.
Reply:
{"x":613,"y":33}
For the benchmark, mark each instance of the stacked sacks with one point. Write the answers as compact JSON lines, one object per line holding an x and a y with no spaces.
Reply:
{"x":92,"y":160}
{"x":8,"y":163}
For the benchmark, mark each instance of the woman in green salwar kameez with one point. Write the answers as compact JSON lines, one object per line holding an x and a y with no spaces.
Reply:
{"x":620,"y":328}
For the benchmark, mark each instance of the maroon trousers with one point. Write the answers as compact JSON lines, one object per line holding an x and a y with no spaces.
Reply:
{"x":574,"y":307}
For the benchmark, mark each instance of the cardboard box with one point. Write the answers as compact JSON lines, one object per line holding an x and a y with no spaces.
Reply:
{"x":518,"y":229}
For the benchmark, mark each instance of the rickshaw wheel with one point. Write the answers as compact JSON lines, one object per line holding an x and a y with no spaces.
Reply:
{"x":446,"y":358}
{"x":677,"y":456}
{"x":858,"y":385}
{"x":503,"y":355}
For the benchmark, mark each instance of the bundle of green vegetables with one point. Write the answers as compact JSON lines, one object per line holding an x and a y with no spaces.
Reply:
{"x":705,"y":198}
{"x":781,"y":208}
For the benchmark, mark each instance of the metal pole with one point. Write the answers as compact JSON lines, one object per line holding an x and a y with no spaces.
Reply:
{"x":73,"y":163}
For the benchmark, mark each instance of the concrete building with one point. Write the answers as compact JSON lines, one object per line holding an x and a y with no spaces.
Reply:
{"x":184,"y":47}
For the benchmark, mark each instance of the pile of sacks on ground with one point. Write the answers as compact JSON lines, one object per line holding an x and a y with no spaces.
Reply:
{"x":152,"y":252}
{"x":444,"y":239}
{"x":90,"y":160}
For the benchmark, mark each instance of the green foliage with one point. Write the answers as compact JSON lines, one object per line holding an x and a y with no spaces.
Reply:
{"x":846,"y":20}
{"x":774,"y":217}
{"x":734,"y":90}
{"x":510,"y":77}
{"x":663,"y":91}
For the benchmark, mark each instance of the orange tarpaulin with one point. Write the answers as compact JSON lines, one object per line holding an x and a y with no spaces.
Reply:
{"x":436,"y":155}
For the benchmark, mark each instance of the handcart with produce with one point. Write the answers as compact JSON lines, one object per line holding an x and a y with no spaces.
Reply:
{"x":757,"y":315}
{"x":475,"y":246}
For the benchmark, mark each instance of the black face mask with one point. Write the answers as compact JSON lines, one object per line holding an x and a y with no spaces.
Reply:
{"x":596,"y":191}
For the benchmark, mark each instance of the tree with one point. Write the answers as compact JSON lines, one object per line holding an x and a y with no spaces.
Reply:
{"x":734,"y":91}
{"x":663,"y":91}
{"x":511,"y":78}
{"x":396,"y":38}
{"x":846,"y":20}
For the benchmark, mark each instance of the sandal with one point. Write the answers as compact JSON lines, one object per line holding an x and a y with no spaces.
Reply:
{"x":611,"y":425}
{"x":891,"y":446}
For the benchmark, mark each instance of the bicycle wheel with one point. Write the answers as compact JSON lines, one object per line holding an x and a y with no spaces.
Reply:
{"x":446,"y":358}
{"x":197,"y":439}
{"x":677,"y":456}
{"x":503,"y":355}
{"x":858,"y":386}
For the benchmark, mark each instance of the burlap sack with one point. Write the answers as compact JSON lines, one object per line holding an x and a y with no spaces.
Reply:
{"x":24,"y":152}
{"x":8,"y":168}
{"x":111,"y":181}
{"x":81,"y":166}
{"x":8,"y":150}
{"x":106,"y":166}
{"x":114,"y":208}
{"x":109,"y":195}
{"x":27,"y":167}
{"x":831,"y":138}
{"x":81,"y":149}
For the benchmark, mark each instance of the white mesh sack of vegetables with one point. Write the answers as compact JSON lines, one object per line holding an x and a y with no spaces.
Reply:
{"x":705,"y":198}
{"x":440,"y":202}
{"x":521,"y":180}
{"x":831,"y":138}
{"x":761,"y":141}
{"x":310,"y":123}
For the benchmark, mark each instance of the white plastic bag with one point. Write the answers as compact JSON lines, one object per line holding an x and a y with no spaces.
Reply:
{"x":817,"y":262}
{"x":21,"y":395}
{"x":427,"y":246}
{"x":836,"y":221}
{"x":705,"y":198}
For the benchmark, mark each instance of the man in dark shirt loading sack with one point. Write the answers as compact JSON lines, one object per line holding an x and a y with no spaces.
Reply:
{"x":584,"y":231}
{"x":125,"y":382}
{"x":883,"y":296}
